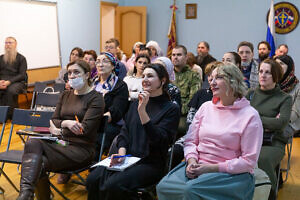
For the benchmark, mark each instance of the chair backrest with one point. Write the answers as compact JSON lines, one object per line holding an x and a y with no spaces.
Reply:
{"x":3,"y":113}
{"x":28,"y":118}
{"x":47,"y":99}
{"x":3,"y":116}
{"x":31,"y":118}
{"x":59,"y":87}
{"x":39,"y":86}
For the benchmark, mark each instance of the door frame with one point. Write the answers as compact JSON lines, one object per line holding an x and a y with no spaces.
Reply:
{"x":105,"y":4}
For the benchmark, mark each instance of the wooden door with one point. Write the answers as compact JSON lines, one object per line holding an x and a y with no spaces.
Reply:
{"x":130,"y":26}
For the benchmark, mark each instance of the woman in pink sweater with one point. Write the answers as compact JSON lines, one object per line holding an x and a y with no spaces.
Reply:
{"x":221,"y":147}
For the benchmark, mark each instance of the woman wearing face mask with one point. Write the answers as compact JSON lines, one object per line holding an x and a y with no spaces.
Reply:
{"x":134,"y":81}
{"x":274,"y":107}
{"x":115,"y":93}
{"x":150,"y":126}
{"x":76,"y":145}
{"x":290,"y":84}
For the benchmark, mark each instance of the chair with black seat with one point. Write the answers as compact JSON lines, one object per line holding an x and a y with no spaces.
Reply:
{"x":25,"y":118}
{"x":59,"y":87}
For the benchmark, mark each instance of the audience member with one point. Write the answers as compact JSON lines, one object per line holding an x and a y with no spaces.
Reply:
{"x":232,"y":57}
{"x":191,"y":61}
{"x":90,"y":57}
{"x":186,"y":80}
{"x":282,"y":49}
{"x":203,"y":57}
{"x":249,"y":65}
{"x":75,"y":55}
{"x":173,"y":90}
{"x":134,"y":81}
{"x":274,"y":107}
{"x":135,"y":51}
{"x":150,"y":127}
{"x":112,"y":46}
{"x":221,"y":147}
{"x":145,"y":50}
{"x":13,"y":77}
{"x":76,"y":145}
{"x":115,"y":93}
{"x":264,"y":50}
{"x":290,"y":84}
{"x":155,"y":50}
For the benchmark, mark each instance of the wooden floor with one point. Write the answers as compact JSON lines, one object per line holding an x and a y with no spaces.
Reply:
{"x":290,"y":190}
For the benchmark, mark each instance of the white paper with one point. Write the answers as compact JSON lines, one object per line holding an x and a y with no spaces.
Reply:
{"x":127,"y":163}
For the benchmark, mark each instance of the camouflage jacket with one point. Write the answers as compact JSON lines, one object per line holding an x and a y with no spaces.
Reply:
{"x":188,"y":83}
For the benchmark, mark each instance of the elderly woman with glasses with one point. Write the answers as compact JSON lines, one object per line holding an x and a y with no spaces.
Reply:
{"x":115,"y":93}
{"x":221,"y":147}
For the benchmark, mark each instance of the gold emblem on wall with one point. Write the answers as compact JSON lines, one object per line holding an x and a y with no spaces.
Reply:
{"x":286,"y":17}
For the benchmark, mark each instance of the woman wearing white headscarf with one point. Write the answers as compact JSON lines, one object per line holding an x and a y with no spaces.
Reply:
{"x":173,"y":91}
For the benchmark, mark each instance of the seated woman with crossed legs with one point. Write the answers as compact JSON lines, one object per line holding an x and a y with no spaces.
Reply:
{"x":76,"y":147}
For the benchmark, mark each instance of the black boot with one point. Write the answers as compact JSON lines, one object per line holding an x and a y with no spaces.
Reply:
{"x":30,"y":173}
{"x":42,"y":190}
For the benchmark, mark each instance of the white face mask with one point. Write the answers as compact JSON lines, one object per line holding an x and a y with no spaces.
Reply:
{"x":76,"y":83}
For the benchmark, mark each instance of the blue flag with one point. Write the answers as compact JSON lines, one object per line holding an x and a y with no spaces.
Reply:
{"x":271,"y":30}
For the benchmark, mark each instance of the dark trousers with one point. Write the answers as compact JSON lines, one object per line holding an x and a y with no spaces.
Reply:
{"x":9,"y":97}
{"x":103,"y":184}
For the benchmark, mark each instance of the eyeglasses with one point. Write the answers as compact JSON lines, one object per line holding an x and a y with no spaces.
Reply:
{"x":9,"y":42}
{"x":109,"y":47}
{"x":104,"y":61}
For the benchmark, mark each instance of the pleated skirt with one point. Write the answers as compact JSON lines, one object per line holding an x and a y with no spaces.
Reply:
{"x":210,"y":186}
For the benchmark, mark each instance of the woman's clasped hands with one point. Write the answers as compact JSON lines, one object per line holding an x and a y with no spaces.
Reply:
{"x":194,"y":169}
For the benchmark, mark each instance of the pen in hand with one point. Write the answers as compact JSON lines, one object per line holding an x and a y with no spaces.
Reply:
{"x":76,"y":118}
{"x":120,"y":156}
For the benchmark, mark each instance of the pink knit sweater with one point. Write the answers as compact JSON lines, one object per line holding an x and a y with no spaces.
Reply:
{"x":230,"y":136}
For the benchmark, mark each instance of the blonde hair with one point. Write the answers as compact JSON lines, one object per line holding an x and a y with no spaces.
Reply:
{"x":234,"y":78}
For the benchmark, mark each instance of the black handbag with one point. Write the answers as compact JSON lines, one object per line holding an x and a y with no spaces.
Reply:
{"x":268,"y":138}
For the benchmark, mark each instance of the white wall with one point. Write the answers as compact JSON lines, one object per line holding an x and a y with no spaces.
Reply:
{"x":221,"y":23}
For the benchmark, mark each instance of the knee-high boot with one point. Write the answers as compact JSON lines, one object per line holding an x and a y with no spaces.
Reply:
{"x":42,"y":190}
{"x":30,"y":173}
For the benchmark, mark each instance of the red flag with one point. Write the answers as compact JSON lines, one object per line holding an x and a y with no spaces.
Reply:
{"x":172,"y":32}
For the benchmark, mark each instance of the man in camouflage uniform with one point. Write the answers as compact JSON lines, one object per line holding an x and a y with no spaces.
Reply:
{"x":186,"y":80}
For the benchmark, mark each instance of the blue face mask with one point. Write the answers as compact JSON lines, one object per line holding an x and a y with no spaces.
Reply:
{"x":76,"y":83}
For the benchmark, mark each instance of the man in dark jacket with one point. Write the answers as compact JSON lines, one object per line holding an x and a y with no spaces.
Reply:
{"x":13,"y":77}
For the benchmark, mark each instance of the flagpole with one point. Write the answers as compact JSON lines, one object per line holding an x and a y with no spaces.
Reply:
{"x":172,"y":30}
